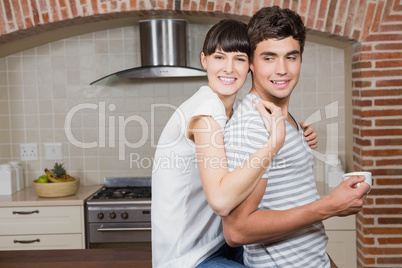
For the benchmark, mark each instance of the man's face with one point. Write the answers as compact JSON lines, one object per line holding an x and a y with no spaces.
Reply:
{"x":276,"y":68}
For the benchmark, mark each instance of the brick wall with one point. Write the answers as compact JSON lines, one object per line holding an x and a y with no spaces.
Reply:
{"x":376,"y":25}
{"x":377,"y":121}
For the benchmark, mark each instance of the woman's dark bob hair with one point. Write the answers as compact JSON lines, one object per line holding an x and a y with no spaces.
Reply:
{"x":228,"y":35}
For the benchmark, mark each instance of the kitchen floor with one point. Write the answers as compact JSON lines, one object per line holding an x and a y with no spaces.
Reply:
{"x":138,"y":258}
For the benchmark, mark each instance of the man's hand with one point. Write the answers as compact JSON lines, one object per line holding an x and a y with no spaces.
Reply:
{"x":347,"y":199}
{"x":311,"y":136}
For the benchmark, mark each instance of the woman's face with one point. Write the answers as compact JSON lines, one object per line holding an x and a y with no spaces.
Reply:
{"x":227,"y":71}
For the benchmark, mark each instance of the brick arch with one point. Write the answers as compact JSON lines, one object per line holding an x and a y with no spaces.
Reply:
{"x":376,"y":81}
{"x":21,"y":18}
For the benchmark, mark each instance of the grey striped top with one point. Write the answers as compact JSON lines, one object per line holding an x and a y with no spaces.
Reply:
{"x":290,"y":184}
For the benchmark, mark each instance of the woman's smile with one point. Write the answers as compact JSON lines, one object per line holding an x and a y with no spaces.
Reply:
{"x":227,"y":80}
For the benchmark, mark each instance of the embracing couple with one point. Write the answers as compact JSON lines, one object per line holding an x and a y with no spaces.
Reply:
{"x":249,"y":198}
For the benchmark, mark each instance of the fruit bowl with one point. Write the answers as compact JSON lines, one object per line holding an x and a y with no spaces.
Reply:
{"x":56,"y":189}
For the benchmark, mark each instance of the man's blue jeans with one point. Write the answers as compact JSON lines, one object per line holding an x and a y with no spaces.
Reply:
{"x":224,"y":257}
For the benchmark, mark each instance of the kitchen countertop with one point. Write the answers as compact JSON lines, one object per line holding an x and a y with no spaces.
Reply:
{"x":27,"y":198}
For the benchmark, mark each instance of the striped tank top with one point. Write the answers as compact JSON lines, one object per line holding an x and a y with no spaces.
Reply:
{"x":290,"y":184}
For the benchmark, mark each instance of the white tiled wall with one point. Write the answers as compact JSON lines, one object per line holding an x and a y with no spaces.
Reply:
{"x":319,"y":98}
{"x":41,"y":87}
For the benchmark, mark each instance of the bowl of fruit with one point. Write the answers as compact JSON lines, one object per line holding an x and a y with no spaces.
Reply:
{"x":56,"y":183}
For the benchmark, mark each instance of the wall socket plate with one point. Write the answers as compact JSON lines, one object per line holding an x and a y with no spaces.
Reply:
{"x":53,"y":151}
{"x":29,"y":151}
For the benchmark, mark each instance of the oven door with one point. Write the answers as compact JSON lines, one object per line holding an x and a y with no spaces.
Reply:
{"x":119,"y":235}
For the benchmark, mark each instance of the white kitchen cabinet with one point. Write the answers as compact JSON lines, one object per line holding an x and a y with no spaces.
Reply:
{"x":30,"y":222}
{"x":42,"y":227}
{"x":41,"y":242}
{"x":341,"y":232}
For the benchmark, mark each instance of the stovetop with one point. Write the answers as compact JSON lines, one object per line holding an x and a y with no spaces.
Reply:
{"x":125,"y":189}
{"x":140,"y":192}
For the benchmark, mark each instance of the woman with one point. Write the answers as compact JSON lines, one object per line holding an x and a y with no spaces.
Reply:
{"x":191,"y":185}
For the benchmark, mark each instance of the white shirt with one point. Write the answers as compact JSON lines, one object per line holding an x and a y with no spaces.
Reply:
{"x":185,"y":230}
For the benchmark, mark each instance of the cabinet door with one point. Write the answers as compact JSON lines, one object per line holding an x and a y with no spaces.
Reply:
{"x":37,"y":242}
{"x":40,"y":220}
{"x":342,"y":248}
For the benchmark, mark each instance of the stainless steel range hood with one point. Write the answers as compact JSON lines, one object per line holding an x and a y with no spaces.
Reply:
{"x":163,"y":52}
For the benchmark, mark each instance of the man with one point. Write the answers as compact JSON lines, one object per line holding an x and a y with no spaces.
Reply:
{"x":283,"y":215}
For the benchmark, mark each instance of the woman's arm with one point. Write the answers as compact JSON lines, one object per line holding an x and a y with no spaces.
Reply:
{"x":224,"y":190}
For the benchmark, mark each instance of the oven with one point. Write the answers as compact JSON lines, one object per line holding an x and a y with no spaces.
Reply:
{"x":119,"y":214}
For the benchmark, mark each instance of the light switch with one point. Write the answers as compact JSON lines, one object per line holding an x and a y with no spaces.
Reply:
{"x":53,"y":151}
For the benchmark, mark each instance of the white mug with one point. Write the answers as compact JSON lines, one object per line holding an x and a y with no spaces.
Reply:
{"x":367,"y":176}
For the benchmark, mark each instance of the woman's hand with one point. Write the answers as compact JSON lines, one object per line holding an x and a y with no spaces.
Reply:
{"x":310,"y":135}
{"x":274,"y":121}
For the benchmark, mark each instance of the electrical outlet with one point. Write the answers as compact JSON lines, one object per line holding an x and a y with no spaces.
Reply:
{"x":29,"y":151}
{"x":53,"y":151}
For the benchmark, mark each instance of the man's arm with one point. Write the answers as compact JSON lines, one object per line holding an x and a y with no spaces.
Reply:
{"x":246,"y":224}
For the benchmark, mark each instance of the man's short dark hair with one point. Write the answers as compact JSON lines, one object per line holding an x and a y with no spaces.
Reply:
{"x":275,"y":23}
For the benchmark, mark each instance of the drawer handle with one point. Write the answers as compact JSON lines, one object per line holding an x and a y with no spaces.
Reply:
{"x":25,"y":212}
{"x":102,"y":229}
{"x":27,"y":241}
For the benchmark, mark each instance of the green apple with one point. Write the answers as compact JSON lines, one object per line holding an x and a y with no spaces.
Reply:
{"x":43,"y":179}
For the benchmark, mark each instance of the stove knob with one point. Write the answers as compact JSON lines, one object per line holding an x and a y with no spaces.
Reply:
{"x":124,"y":216}
{"x":100,"y":216}
{"x":112,"y":215}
